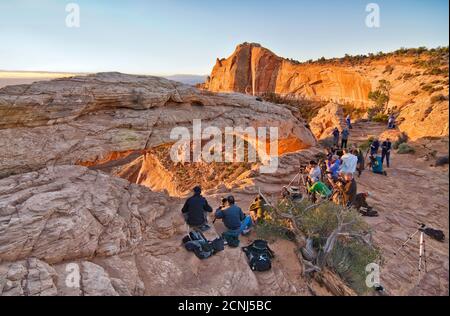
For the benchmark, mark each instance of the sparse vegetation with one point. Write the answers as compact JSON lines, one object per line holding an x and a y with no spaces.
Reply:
{"x":340,"y":237}
{"x":438,"y":98}
{"x":365,"y":145}
{"x":388,"y":70}
{"x":307,"y":109}
{"x":402,"y":139}
{"x":404,"y":148}
{"x":380,"y":118}
{"x":381,"y":97}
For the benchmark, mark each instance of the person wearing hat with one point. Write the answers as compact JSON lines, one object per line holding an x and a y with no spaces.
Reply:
{"x":195,"y":210}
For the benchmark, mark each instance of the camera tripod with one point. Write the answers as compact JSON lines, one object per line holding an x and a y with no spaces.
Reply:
{"x":422,"y":250}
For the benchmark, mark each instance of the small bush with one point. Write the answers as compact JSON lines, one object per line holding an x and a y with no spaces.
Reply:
{"x":388,"y":70}
{"x":405,"y":149}
{"x":365,"y":145}
{"x":414,"y":93}
{"x":438,"y":98}
{"x":381,"y":118}
{"x":402,"y":139}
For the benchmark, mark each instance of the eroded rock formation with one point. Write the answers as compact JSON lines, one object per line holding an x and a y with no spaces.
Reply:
{"x":420,"y":97}
{"x":86,"y":118}
{"x":329,"y":117}
{"x":68,"y":230}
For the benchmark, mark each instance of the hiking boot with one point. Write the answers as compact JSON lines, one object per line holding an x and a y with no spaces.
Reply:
{"x":246,"y":232}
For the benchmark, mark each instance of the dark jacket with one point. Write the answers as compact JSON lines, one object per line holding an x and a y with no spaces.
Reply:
{"x":232,"y":217}
{"x":386,"y":146}
{"x":374,"y":147}
{"x":336,"y":133}
{"x":350,"y":191}
{"x":195,"y":207}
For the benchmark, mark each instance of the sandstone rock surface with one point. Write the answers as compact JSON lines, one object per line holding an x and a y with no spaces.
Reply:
{"x":329,"y":117}
{"x":255,"y":70}
{"x":66,"y":121}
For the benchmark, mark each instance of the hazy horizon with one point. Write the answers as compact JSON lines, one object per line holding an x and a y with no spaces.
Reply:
{"x":185,"y":37}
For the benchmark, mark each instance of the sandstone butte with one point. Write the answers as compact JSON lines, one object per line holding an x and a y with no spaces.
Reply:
{"x":255,"y":70}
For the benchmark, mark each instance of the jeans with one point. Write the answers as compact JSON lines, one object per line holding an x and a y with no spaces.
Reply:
{"x":344,"y":143}
{"x":386,"y":155}
{"x":246,"y":224}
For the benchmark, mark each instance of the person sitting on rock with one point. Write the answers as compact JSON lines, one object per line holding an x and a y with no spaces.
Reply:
{"x":195,"y":210}
{"x":314,"y":172}
{"x":376,"y":164}
{"x":319,"y":188}
{"x":348,"y":188}
{"x":234,"y":219}
{"x":391,"y":121}
{"x":258,"y":210}
{"x":333,"y":167}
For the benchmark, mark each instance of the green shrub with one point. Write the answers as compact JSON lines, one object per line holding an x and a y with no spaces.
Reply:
{"x":349,"y":256}
{"x":403,"y":138}
{"x":404,"y":148}
{"x":381,"y":118}
{"x":365,"y":145}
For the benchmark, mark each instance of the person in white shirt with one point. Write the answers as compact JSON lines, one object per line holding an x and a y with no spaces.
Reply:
{"x":349,"y":163}
{"x":314,"y":172}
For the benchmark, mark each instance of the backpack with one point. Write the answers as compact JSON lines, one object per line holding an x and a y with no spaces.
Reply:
{"x":259,"y":255}
{"x":197,"y":243}
{"x":435,"y":234}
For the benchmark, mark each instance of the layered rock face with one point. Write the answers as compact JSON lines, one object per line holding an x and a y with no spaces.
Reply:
{"x":255,"y":70}
{"x":329,"y":117}
{"x":71,"y":231}
{"x":86,"y":118}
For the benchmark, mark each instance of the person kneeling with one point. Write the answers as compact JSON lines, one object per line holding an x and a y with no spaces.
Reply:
{"x":319,"y":188}
{"x":234,"y":219}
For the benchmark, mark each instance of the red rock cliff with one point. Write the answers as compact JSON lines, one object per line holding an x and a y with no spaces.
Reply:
{"x":253,"y":69}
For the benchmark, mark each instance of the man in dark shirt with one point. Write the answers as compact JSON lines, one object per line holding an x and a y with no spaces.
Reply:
{"x":195,"y":210}
{"x":233,"y":218}
{"x":336,"y":135}
{"x":374,"y":147}
{"x":386,"y":147}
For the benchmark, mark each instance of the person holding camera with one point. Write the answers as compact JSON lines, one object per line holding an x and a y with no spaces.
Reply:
{"x":233,"y":218}
{"x":314,"y":172}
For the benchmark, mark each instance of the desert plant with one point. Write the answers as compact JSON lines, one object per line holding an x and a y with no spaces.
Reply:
{"x":403,"y":138}
{"x":388,"y":69}
{"x":438,"y":98}
{"x":404,"y":148}
{"x":380,"y":118}
{"x":340,"y":237}
{"x":381,"y":96}
{"x":366,"y":144}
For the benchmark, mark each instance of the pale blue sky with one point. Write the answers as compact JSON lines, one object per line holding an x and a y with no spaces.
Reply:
{"x":186,"y":36}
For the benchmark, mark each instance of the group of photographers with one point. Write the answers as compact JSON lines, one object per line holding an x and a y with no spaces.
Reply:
{"x":332,"y":179}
